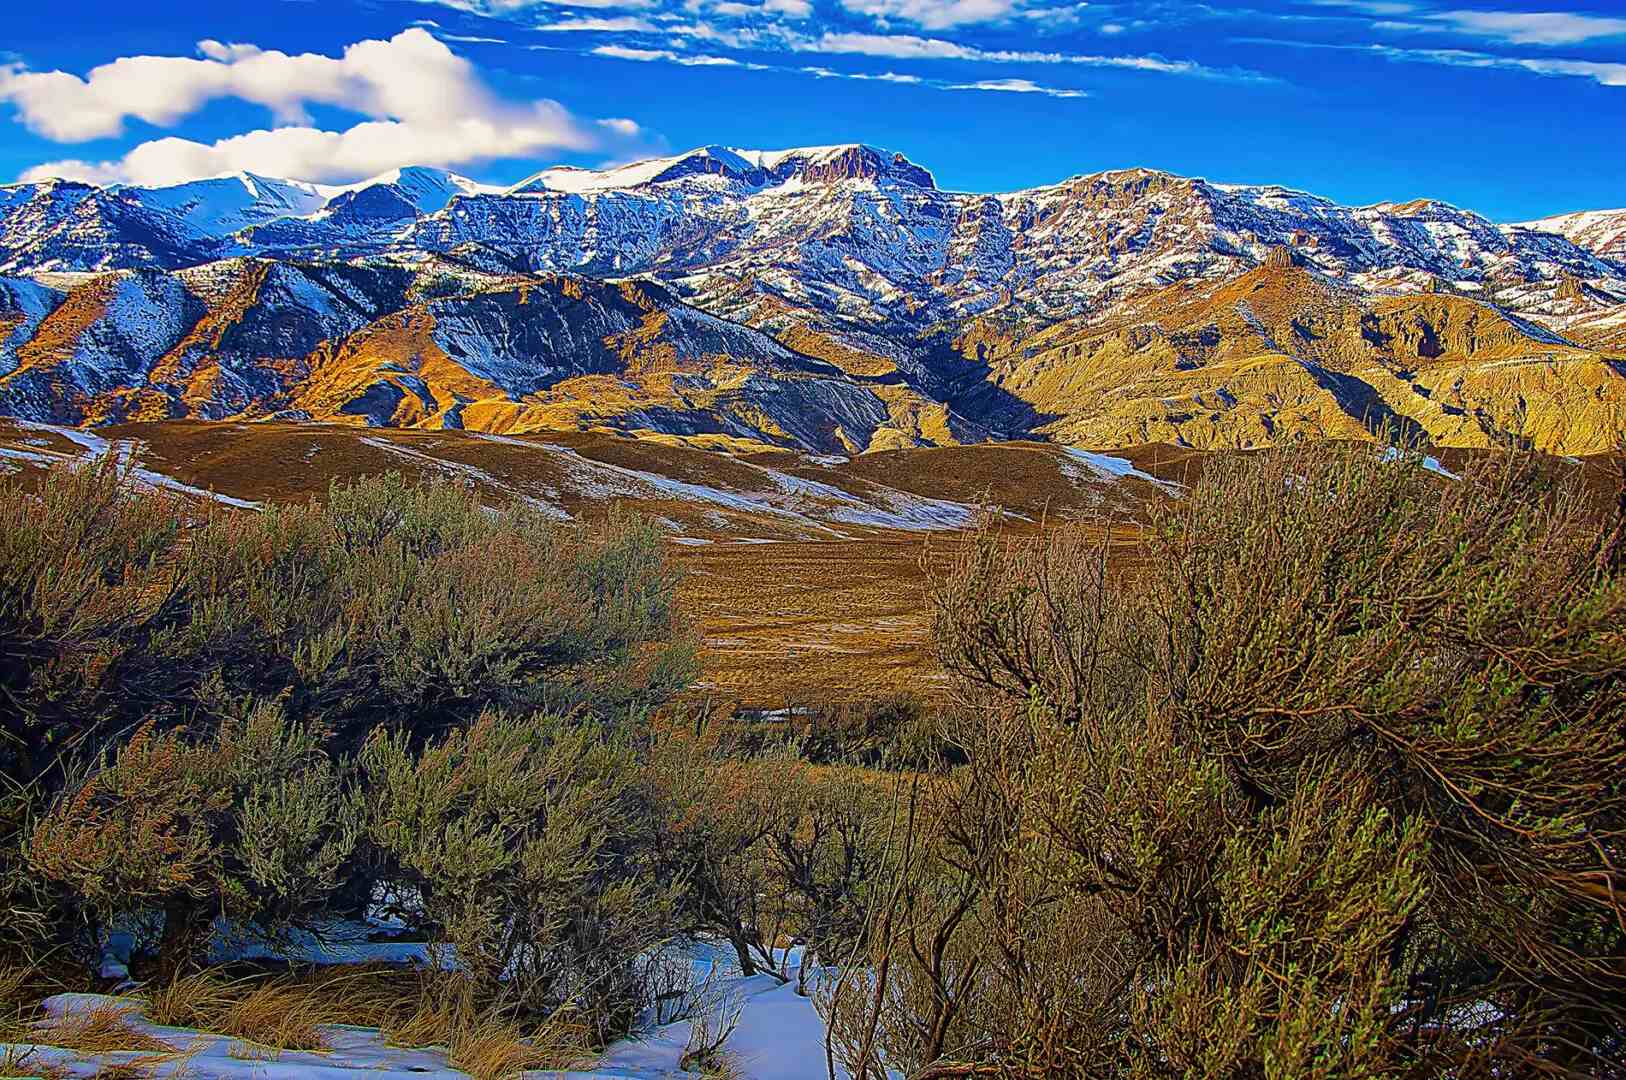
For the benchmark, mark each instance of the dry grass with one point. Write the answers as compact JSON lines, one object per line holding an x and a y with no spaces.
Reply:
{"x":17,"y":1064}
{"x":494,"y":1050}
{"x":14,"y":1004}
{"x":286,"y":1012}
{"x":723,"y":1066}
{"x":269,"y":1014}
{"x":106,"y":1028}
{"x":443,"y":1011}
{"x":145,"y":1069}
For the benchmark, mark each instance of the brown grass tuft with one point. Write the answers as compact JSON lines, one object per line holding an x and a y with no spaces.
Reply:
{"x":493,"y":1049}
{"x":103,"y":1029}
{"x":277,"y":1013}
{"x":16,"y":1064}
{"x":411,"y":1009}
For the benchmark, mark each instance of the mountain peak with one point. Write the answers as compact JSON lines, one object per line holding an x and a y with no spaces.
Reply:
{"x":847,"y":161}
{"x":749,"y":168}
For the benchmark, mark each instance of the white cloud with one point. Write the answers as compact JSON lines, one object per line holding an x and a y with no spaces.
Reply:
{"x":621,"y":24}
{"x":623,"y":52}
{"x":934,"y":14}
{"x":1533,"y":28}
{"x":517,"y":7}
{"x":910,"y":47}
{"x":308,"y":153}
{"x":423,"y":105}
{"x":1602,"y":72}
{"x":629,"y":129}
{"x":1018,"y":86}
{"x":1605,"y":73}
{"x":864,"y":76}
{"x":412,"y":77}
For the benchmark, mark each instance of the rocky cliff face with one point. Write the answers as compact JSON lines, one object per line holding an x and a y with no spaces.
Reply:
{"x":822,"y":297}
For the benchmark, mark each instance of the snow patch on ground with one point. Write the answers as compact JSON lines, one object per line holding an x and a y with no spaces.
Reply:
{"x":1432,"y":464}
{"x":811,"y":503}
{"x":1107,"y":467}
{"x":95,"y":447}
{"x":466,"y":472}
{"x":780,"y":1036}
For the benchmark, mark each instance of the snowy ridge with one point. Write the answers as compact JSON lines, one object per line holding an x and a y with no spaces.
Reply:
{"x":1602,"y":232}
{"x":855,"y":229}
{"x":826,"y":276}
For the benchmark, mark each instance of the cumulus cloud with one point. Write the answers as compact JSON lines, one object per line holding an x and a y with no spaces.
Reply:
{"x":309,"y":153}
{"x":412,"y":76}
{"x":423,"y":105}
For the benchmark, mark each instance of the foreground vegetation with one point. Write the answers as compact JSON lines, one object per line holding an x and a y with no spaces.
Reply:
{"x":1334,"y":784}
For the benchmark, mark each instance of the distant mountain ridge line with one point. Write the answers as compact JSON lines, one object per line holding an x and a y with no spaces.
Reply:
{"x":824,"y":298}
{"x":763,"y":160}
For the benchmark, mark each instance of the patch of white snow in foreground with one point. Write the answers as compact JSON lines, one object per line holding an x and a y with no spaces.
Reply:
{"x":780,"y":1036}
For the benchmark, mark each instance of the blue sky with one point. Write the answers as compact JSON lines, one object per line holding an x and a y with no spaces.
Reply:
{"x":1515,"y":110}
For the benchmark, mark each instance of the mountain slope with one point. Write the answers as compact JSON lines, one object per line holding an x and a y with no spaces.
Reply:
{"x":825,"y":297}
{"x":438,"y":345}
{"x":1281,"y":350}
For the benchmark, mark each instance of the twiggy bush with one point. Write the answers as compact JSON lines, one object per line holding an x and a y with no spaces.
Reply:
{"x":86,"y":580}
{"x":416,"y":607}
{"x":768,"y":849}
{"x":522,"y":843}
{"x":1330,"y":786}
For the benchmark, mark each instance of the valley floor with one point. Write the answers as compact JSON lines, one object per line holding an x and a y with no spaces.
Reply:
{"x":807,"y":577}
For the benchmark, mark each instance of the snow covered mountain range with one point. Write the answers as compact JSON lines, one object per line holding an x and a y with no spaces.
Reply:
{"x":820,"y":297}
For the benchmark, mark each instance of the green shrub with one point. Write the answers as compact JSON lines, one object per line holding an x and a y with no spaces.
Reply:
{"x":135,"y":628}
{"x":387,"y":602}
{"x":249,"y":821}
{"x":1330,"y":786}
{"x":417,"y":607}
{"x":523,"y":844}
{"x":87,"y":578}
